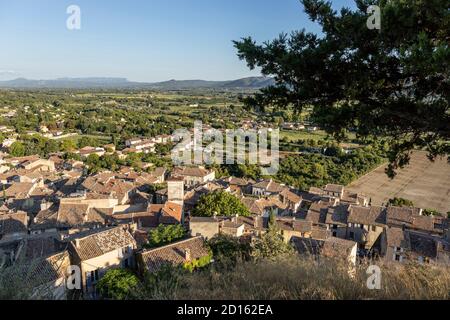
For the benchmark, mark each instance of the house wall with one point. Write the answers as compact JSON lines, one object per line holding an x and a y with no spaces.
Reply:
{"x":392,"y":252}
{"x":257,"y":192}
{"x":46,"y":165}
{"x":13,"y":236}
{"x":207,"y":229}
{"x":365,"y":236}
{"x":339,"y":232}
{"x":288,"y":234}
{"x":235,"y":232}
{"x":175,"y":191}
{"x":111,"y":260}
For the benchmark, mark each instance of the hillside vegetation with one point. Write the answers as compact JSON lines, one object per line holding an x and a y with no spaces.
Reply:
{"x":292,"y":278}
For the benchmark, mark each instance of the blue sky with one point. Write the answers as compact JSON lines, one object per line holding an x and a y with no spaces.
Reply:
{"x":142,"y":40}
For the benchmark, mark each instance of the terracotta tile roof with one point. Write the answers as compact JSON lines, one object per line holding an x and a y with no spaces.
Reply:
{"x":352,"y":198}
{"x":107,"y":183}
{"x":20,"y":190}
{"x":35,"y":248}
{"x":290,"y":224}
{"x":317,"y":213}
{"x":330,"y":247}
{"x":336,"y":188}
{"x":146,"y":219}
{"x":337,"y":215}
{"x":100,"y":215}
{"x":174,"y":254}
{"x":171,"y":213}
{"x":191,"y":172}
{"x":45,"y":219}
{"x":319,"y":233}
{"x":397,"y":237}
{"x":414,"y":243}
{"x":257,"y":223}
{"x":231,"y":224}
{"x":302,"y":226}
{"x":193,"y":197}
{"x":423,"y":245}
{"x":289,"y":195}
{"x":72,"y":215}
{"x":238,"y":182}
{"x":260,"y":206}
{"x":269,"y":186}
{"x":410,"y":218}
{"x":252,"y":205}
{"x":374,"y":216}
{"x":101,"y":242}
{"x":316,"y":191}
{"x":68,"y":186}
{"x":13,"y":223}
{"x":157,"y":172}
{"x":43,"y":271}
{"x":156,"y":214}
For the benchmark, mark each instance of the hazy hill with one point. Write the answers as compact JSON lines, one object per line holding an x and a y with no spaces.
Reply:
{"x":123,"y":83}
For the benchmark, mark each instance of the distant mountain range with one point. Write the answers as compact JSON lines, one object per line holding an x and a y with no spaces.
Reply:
{"x":123,"y":83}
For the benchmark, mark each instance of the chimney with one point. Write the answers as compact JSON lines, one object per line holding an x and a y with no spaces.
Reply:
{"x":187,"y":255}
{"x":236,"y":217}
{"x":77,"y":243}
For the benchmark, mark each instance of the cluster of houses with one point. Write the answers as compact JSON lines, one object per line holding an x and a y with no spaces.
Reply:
{"x":53,"y":216}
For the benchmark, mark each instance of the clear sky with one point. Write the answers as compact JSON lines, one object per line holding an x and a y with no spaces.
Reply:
{"x":142,"y":40}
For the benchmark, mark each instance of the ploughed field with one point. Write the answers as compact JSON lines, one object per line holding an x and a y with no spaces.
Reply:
{"x":425,"y":183}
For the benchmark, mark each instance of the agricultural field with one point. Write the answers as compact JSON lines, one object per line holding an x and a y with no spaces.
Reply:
{"x":423,"y":182}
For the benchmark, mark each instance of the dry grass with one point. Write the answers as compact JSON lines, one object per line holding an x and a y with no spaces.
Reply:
{"x":305,"y":279}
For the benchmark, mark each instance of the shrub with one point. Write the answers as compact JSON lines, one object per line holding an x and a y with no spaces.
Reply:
{"x":118,"y":284}
{"x":164,"y":235}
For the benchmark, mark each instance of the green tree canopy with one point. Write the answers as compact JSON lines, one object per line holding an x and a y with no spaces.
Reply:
{"x":400,"y":202}
{"x":164,"y":235}
{"x":270,"y":245}
{"x":227,"y":250}
{"x":219,"y":203}
{"x":392,"y":82}
{"x":17,"y":149}
{"x":118,"y":284}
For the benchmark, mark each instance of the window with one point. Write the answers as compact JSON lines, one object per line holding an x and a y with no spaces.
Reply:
{"x":352,"y":235}
{"x":398,"y":249}
{"x":335,"y":234}
{"x":335,"y":226}
{"x":398,"y":257}
{"x":374,"y":228}
{"x":127,"y":250}
{"x":92,"y":278}
{"x":361,"y":226}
